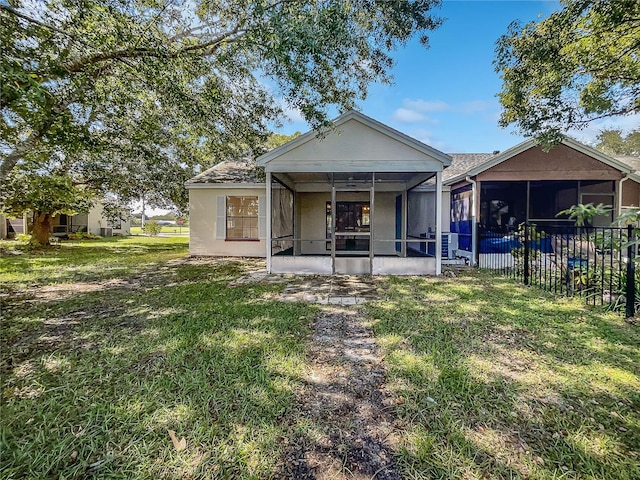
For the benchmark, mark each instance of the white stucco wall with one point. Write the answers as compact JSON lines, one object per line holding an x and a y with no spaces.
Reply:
{"x":96,"y":222}
{"x":204,"y":233}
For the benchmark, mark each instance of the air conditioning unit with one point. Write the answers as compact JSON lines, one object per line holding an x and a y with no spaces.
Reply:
{"x":449,"y":245}
{"x":106,"y":232}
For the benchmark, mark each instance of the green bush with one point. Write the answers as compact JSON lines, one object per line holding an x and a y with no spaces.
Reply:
{"x":23,"y":237}
{"x":152,"y":228}
{"x":83,"y":236}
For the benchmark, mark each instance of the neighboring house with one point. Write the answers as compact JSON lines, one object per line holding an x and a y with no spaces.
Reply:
{"x":401,"y":207}
{"x":10,"y":227}
{"x":92,"y":222}
{"x":497,"y":192}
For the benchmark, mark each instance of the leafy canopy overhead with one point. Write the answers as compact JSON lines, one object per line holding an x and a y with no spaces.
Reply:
{"x":614,"y":142}
{"x":580,"y":64}
{"x":133,"y":95}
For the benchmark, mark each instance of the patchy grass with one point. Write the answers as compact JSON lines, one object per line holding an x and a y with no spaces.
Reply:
{"x":107,"y":345}
{"x":495,"y":380}
{"x":93,"y":378}
{"x":85,"y":260}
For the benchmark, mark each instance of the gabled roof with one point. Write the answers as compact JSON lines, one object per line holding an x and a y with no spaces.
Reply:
{"x":352,"y":115}
{"x":241,"y":171}
{"x":494,"y":160}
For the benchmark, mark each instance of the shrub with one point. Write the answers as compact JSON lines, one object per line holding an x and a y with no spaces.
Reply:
{"x":83,"y":236}
{"x":23,"y":237}
{"x":152,"y":228}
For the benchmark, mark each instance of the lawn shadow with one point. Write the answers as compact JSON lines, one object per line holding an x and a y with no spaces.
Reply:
{"x":93,"y":381}
{"x":509,"y":386}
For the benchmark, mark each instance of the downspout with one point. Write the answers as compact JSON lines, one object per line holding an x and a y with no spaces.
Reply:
{"x":625,"y":178}
{"x":474,"y":232}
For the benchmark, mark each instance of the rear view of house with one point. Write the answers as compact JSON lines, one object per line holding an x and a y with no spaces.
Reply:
{"x":367,"y":199}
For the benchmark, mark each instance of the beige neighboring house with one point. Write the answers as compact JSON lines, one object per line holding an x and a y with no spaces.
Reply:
{"x":92,"y":222}
{"x":401,"y":207}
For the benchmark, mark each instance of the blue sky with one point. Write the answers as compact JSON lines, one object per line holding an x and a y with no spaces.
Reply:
{"x":445,"y":96}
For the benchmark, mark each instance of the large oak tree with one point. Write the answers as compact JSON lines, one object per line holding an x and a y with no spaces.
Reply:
{"x":580,"y":64}
{"x":131,"y":96}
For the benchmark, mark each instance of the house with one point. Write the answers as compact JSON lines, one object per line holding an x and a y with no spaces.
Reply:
{"x":367,"y":199}
{"x":354,"y":202}
{"x":496,"y":192}
{"x":93,"y":222}
{"x":61,"y":225}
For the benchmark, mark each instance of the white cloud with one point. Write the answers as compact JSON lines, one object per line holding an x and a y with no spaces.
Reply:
{"x":292,"y":114}
{"x":589,"y":134}
{"x":405,"y":115}
{"x":426,"y":106}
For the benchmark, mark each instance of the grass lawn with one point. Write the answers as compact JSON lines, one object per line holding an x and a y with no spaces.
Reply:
{"x":495,"y":380}
{"x":107,"y":345}
{"x":165,"y":229}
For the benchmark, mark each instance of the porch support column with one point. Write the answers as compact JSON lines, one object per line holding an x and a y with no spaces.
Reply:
{"x":333,"y":226}
{"x":372,"y":206}
{"x":268,"y":225}
{"x":439,"y":223}
{"x":403,"y":223}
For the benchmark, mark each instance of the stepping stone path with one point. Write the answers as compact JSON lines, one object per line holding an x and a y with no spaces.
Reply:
{"x":342,"y":426}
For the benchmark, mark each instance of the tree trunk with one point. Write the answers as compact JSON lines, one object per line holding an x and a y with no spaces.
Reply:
{"x":41,"y":228}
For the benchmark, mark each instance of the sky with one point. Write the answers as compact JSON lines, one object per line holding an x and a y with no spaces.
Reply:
{"x":445,"y":96}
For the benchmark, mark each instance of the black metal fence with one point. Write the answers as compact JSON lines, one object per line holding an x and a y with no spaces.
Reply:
{"x":597,"y":263}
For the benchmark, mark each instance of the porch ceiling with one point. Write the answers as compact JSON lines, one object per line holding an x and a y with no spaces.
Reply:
{"x":323,"y":181}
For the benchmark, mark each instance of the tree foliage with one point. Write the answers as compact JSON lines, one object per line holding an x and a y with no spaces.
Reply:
{"x":578,"y":65}
{"x":614,"y":142}
{"x":153,"y":80}
{"x":133,"y":96}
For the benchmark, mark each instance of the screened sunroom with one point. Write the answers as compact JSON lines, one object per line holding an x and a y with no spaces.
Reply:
{"x":365,"y":199}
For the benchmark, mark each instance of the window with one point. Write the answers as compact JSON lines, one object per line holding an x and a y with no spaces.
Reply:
{"x":351,"y":217}
{"x":242,"y":218}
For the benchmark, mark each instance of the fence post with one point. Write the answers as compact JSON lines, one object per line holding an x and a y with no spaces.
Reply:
{"x":526,"y":254}
{"x":631,"y":273}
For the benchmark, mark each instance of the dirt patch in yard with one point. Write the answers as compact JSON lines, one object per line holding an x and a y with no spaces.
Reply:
{"x":342,"y":428}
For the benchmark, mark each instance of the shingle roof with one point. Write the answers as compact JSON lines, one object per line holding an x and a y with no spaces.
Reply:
{"x":463,"y":162}
{"x":243,"y":170}
{"x":633,"y":162}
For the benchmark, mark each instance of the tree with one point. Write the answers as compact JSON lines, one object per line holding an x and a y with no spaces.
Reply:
{"x":45,"y":196}
{"x":277,"y":139}
{"x":134,"y":96}
{"x":613,"y":142}
{"x":578,"y":65}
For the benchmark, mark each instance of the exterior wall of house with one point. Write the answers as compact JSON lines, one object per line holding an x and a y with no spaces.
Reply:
{"x":208,"y":229}
{"x":92,"y":222}
{"x":630,"y":194}
{"x":96,"y":223}
{"x":354,"y":147}
{"x":560,"y":163}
